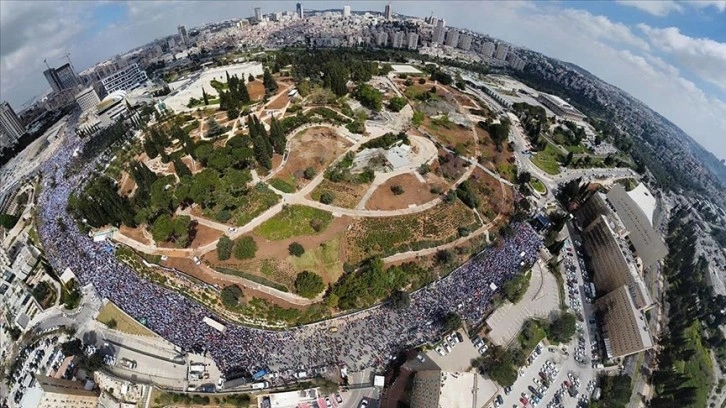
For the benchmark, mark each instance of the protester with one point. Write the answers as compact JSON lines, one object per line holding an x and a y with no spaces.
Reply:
{"x":366,"y":339}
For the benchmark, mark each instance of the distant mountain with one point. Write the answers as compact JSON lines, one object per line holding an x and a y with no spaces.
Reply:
{"x":676,"y":160}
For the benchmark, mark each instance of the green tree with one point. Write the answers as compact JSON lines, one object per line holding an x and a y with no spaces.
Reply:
{"x":295,"y":249}
{"x":309,"y":173}
{"x":397,"y":189}
{"x":180,"y":168}
{"x":205,"y":97}
{"x":269,"y":82}
{"x":327,"y":197}
{"x":213,"y":128}
{"x":231,"y":295}
{"x":397,"y":103}
{"x":245,"y":248}
{"x":562,"y":328}
{"x":224,"y":248}
{"x":399,"y":300}
{"x":163,"y":228}
{"x":451,"y":321}
{"x":369,"y":97}
{"x":308,"y":284}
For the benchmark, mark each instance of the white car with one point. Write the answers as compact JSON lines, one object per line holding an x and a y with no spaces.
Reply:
{"x":197,"y":261}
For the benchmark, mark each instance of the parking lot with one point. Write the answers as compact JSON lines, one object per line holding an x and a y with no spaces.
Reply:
{"x":539,"y":301}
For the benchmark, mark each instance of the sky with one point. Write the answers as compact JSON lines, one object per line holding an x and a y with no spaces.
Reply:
{"x":669,"y":54}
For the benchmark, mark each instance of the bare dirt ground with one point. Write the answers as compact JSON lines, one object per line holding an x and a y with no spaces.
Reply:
{"x":276,"y":160}
{"x":256,"y":89}
{"x":127,"y":183}
{"x":272,"y":260}
{"x":500,"y":162}
{"x":137,"y":234}
{"x":187,"y":266}
{"x":449,"y":166}
{"x":452,"y":135}
{"x":347,"y":195}
{"x":414,"y":192}
{"x":279,"y":102}
{"x":494,"y":198}
{"x":204,"y":235}
{"x":316,"y":147}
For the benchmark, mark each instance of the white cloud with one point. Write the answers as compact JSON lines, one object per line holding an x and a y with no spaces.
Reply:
{"x":602,"y":28}
{"x":658,"y":8}
{"x":703,"y":56}
{"x":719,"y":5}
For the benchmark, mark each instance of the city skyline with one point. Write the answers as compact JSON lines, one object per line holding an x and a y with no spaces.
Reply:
{"x":670,"y":55}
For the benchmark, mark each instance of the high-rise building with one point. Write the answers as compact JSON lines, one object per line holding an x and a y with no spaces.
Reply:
{"x":258,"y":13}
{"x":412,"y":41}
{"x":300,"y":11}
{"x":125,"y":79}
{"x":381,"y":38}
{"x":438,"y":36}
{"x":398,"y":39}
{"x":465,"y":42}
{"x":487,"y":49}
{"x":346,"y":11}
{"x":52,"y":77}
{"x":388,"y":13}
{"x":183,"y":36}
{"x":502,"y":51}
{"x":10,"y":126}
{"x":65,"y":393}
{"x":61,"y":78}
{"x":452,"y":37}
{"x":433,"y":21}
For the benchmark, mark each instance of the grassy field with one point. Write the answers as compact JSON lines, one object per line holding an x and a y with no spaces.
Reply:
{"x":124,"y":322}
{"x":323,"y":260}
{"x":282,"y":185}
{"x":294,"y":221}
{"x":548,"y":159}
{"x":258,"y":201}
{"x":347,"y":195}
{"x":537,"y":186}
{"x":698,"y":369}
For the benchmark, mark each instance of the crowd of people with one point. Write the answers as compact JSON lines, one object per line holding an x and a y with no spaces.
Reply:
{"x":366,"y":339}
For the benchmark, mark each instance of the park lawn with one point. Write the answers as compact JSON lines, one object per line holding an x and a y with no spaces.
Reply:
{"x":283,"y":185}
{"x":537,"y":186}
{"x":323,"y":260}
{"x":548,"y":159}
{"x":577,"y":149}
{"x":258,"y":200}
{"x":508,"y":171}
{"x":699,"y":368}
{"x":294,"y":221}
{"x":124,"y":322}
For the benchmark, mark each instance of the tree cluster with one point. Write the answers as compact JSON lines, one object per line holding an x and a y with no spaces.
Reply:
{"x":234,"y":97}
{"x":369,"y":96}
{"x":308,"y":284}
{"x":179,"y":229}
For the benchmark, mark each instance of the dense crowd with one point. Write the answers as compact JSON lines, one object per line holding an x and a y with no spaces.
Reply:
{"x":364,"y":339}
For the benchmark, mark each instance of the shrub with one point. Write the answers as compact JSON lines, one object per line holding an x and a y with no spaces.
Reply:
{"x":295,"y":249}
{"x":309,"y":173}
{"x":316,"y":224}
{"x":308,"y":284}
{"x":245,"y":248}
{"x":224,"y":248}
{"x":327,"y":197}
{"x":422,"y":81}
{"x":397,"y":190}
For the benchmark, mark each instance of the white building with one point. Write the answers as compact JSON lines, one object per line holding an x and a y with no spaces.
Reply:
{"x":452,"y":38}
{"x":502,"y":51}
{"x":87,"y":99}
{"x":487,"y":49}
{"x":111,"y":108}
{"x":439,"y":33}
{"x":346,"y":11}
{"x":381,"y":38}
{"x":125,"y":79}
{"x":398,"y":39}
{"x":465,"y":42}
{"x":412,"y":41}
{"x":10,"y":126}
{"x":388,"y":13}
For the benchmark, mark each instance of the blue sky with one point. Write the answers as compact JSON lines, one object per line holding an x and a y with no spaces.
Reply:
{"x":669,"y":54}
